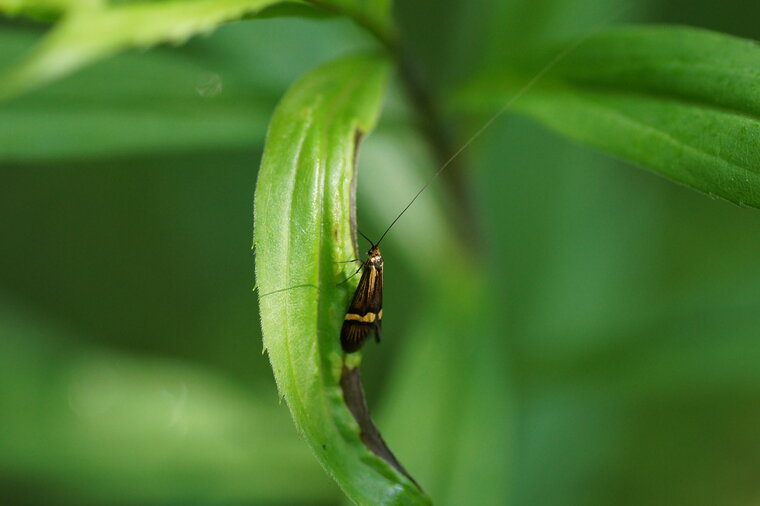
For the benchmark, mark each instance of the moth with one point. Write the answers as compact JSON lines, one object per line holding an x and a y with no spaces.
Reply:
{"x":365,"y":313}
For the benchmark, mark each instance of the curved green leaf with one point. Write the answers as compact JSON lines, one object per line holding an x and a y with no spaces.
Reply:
{"x":682,"y":101}
{"x":302,"y":229}
{"x":88,"y":34}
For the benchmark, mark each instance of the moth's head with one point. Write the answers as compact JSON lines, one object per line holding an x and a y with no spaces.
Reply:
{"x":374,"y":256}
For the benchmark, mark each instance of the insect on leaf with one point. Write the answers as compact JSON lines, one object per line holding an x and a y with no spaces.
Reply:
{"x":302,"y":230}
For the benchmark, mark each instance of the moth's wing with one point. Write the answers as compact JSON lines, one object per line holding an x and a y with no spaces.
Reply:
{"x":365,"y":307}
{"x":353,"y":334}
{"x":365,"y":288}
{"x":377,"y":304}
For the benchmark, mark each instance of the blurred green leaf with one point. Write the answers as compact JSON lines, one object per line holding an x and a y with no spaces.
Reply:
{"x":662,"y":405}
{"x":451,"y":369}
{"x":681,"y":63}
{"x":152,"y":103}
{"x":214,"y":93}
{"x":301,"y":229}
{"x":86,"y":425}
{"x":681,"y":101}
{"x":627,"y":310}
{"x":373,"y":14}
{"x":88,"y":34}
{"x":517,"y":28}
{"x":44,"y":9}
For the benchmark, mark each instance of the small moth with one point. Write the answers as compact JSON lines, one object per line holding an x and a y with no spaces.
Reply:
{"x":366,"y":310}
{"x":365,"y":313}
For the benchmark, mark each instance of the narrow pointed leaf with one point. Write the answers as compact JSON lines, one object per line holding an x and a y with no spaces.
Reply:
{"x":302,"y":229}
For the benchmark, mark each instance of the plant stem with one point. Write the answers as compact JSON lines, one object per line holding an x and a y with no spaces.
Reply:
{"x":430,"y":121}
{"x":441,"y":143}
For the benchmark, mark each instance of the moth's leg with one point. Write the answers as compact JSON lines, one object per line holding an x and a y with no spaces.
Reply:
{"x":352,"y":275}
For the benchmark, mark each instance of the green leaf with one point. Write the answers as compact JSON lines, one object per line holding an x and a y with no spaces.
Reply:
{"x":372,"y":11}
{"x":89,"y":423}
{"x":43,"y":9}
{"x":302,"y":229}
{"x":681,"y":101}
{"x":88,"y":34}
{"x":135,"y":104}
{"x":213,"y":93}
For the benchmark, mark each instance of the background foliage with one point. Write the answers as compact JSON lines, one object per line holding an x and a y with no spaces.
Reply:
{"x":623,"y":368}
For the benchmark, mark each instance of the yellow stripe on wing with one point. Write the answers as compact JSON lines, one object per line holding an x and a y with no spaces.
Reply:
{"x":367,"y":318}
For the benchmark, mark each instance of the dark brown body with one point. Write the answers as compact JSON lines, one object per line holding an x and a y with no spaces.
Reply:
{"x":366,"y":310}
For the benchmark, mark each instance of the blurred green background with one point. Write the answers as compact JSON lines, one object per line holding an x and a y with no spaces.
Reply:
{"x":624,"y":367}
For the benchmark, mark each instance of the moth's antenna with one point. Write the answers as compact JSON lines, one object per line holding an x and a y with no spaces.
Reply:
{"x":541,"y":73}
{"x":367,"y":238}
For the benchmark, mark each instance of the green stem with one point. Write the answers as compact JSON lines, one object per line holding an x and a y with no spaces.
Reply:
{"x":430,"y":121}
